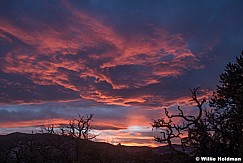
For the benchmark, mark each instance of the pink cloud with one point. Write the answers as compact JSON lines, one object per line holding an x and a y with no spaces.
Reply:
{"x":77,"y":42}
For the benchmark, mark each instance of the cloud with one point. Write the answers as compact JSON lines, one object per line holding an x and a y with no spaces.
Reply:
{"x":16,"y":88}
{"x":84,"y":55}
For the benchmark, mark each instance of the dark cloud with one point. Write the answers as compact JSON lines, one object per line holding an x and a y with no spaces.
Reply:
{"x":19,"y":89}
{"x":96,"y":127}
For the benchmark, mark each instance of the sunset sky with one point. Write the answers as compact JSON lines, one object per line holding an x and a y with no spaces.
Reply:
{"x":121,"y":60}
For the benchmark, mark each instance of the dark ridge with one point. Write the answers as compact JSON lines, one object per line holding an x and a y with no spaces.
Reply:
{"x":38,"y":148}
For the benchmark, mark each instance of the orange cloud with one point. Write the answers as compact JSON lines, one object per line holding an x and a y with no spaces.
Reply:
{"x":80,"y":53}
{"x":32,"y":123}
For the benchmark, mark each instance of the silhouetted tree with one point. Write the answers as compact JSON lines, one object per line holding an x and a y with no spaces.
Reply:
{"x":48,"y":129}
{"x":228,"y":100}
{"x":194,"y":126}
{"x":214,"y":131}
{"x":78,"y":128}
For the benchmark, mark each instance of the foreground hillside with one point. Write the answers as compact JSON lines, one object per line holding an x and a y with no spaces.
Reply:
{"x":29,"y":148}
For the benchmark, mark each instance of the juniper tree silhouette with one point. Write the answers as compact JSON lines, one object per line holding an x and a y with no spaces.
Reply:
{"x":215,"y":131}
{"x":228,"y":101}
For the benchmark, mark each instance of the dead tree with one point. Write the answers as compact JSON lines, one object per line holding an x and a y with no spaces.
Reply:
{"x":49,"y":129}
{"x":195,"y":126}
{"x":79,"y":128}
